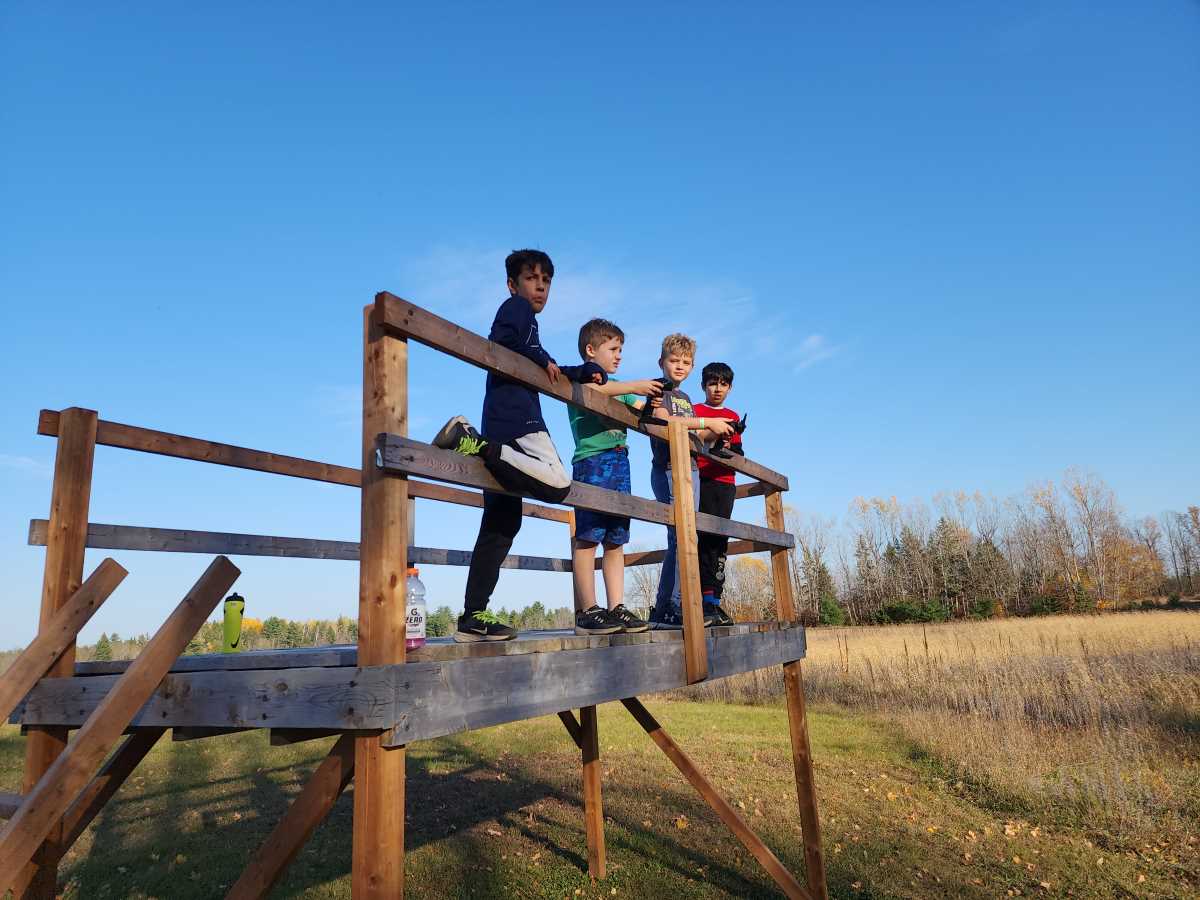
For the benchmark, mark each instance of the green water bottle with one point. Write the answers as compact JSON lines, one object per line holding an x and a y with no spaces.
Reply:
{"x":235,"y":605}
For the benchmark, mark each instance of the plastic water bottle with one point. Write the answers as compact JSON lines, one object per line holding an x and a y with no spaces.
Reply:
{"x":414,"y":619}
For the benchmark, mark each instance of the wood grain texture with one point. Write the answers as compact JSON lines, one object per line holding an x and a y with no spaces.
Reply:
{"x":752,"y":842}
{"x":687,"y":553}
{"x":793,"y":684}
{"x":306,"y":812}
{"x":421,"y":699}
{"x":70,"y":499}
{"x":174,"y":540}
{"x":70,"y":772}
{"x":593,"y":803}
{"x":162,"y":443}
{"x":377,"y":869}
{"x":403,"y":318}
{"x":401,"y":456}
{"x":58,"y":634}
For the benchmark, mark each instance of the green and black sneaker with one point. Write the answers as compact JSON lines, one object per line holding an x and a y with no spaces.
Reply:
{"x":482,"y":626}
{"x":460,"y":436}
{"x":623,"y":614}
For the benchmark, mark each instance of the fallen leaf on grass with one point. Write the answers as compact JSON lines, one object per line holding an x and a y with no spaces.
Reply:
{"x":493,"y":832}
{"x":681,"y":822}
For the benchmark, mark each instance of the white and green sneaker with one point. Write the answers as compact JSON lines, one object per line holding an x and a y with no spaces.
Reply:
{"x":460,"y":436}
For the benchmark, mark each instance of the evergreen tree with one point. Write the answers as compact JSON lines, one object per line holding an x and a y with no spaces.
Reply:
{"x":103,"y":649}
{"x":440,"y":622}
{"x":274,"y":630}
{"x":294,"y":635}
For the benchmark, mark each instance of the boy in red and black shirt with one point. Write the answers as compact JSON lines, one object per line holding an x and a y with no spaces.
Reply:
{"x":716,"y":489}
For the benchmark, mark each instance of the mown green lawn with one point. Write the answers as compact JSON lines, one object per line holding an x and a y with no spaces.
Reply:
{"x":497,"y":813}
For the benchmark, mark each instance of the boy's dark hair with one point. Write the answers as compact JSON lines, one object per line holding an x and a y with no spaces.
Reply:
{"x":519,"y":259}
{"x":596,"y":332}
{"x":716,"y":370}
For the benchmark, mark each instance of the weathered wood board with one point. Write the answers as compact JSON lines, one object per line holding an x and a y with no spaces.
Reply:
{"x":415,"y":700}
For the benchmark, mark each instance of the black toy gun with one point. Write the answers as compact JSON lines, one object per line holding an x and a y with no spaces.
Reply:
{"x":721,"y":448}
{"x":647,"y":411}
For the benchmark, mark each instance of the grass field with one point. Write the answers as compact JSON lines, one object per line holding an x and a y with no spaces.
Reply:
{"x":925,"y":789}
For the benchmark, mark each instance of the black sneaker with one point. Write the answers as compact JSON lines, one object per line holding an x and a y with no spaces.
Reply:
{"x":719,"y":616}
{"x":482,"y":626}
{"x":673,"y":621}
{"x":596,"y":621}
{"x":460,"y":436}
{"x":633,"y":625}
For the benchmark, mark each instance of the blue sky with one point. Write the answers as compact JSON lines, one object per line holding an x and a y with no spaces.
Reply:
{"x":944,"y":246}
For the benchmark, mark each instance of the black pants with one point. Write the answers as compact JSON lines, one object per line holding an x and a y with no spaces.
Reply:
{"x":530,"y":466}
{"x":716,"y":498}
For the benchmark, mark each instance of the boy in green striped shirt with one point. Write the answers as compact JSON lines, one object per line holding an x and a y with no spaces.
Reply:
{"x":602,"y":459}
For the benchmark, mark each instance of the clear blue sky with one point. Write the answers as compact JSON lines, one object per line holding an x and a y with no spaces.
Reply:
{"x":944,"y":246}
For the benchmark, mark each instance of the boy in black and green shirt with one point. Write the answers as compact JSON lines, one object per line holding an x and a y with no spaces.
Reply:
{"x":602,"y":459}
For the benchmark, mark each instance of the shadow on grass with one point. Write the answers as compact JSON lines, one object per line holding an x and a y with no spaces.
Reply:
{"x":190,"y":827}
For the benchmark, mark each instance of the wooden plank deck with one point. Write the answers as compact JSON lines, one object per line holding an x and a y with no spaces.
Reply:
{"x":444,"y":688}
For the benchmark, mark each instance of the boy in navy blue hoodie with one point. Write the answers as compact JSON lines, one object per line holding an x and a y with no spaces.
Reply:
{"x":515,"y":444}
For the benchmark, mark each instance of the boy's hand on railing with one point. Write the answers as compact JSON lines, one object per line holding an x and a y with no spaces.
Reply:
{"x":719,"y":427}
{"x":553,"y":371}
{"x":646,"y":387}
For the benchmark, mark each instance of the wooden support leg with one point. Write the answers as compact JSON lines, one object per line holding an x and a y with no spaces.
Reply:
{"x":65,"y":541}
{"x":695,"y":651}
{"x":769,"y":861}
{"x":378,"y":843}
{"x":307,"y":811}
{"x":806,"y":791}
{"x":593,"y":805}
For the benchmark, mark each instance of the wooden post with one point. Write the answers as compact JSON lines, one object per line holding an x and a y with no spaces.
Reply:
{"x":62,"y":577}
{"x":593,"y":806}
{"x":378,"y":843}
{"x":306,"y":812}
{"x":687,"y":554}
{"x":47,"y":801}
{"x":793,"y":682}
{"x":751,"y":841}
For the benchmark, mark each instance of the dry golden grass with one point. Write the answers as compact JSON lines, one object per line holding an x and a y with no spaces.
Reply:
{"x":1094,"y":718}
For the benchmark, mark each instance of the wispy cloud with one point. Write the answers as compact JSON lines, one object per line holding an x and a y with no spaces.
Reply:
{"x":34,"y":467}
{"x":724,"y":319}
{"x":814,"y":349}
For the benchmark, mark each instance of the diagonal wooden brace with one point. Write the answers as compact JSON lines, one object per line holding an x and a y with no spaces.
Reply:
{"x":54,"y":792}
{"x":307,"y":811}
{"x":752,"y":842}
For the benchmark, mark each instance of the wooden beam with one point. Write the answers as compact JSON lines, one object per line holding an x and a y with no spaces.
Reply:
{"x":752,"y":842}
{"x":57,"y":635}
{"x":184,"y":733}
{"x":653,"y":557}
{"x":175,"y":540}
{"x":687,"y":553}
{"x":306,"y":812}
{"x":146,"y":440}
{"x":62,"y":576}
{"x":793,"y":684}
{"x":406,"y":319}
{"x":422,"y":700}
{"x":572,"y":725}
{"x":593,"y":804}
{"x":107,"y":782}
{"x":378,"y":840}
{"x":70,"y":772}
{"x":401,"y":456}
{"x":753,"y":489}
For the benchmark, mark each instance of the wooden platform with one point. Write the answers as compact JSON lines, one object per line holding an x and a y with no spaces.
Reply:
{"x":443,"y":687}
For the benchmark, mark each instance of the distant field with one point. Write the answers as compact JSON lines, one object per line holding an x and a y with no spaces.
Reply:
{"x":1037,"y":757}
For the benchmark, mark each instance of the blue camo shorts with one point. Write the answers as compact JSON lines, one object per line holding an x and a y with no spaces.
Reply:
{"x":609,"y":469}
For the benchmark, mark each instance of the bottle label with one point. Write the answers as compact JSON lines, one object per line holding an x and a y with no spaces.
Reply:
{"x":415,"y":622}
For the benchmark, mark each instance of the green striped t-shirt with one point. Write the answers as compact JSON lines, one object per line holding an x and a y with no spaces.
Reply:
{"x":593,"y":434}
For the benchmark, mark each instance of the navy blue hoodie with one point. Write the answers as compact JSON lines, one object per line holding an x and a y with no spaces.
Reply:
{"x":510,"y":409}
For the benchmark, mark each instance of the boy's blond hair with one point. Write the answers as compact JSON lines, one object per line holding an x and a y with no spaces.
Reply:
{"x":678,"y":343}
